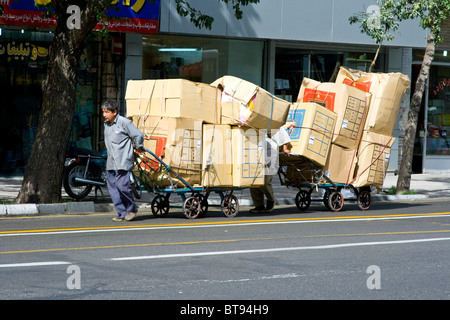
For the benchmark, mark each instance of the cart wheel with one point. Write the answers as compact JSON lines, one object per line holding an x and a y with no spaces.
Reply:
{"x":364,"y":200}
{"x":192,"y":207}
{"x":303,"y":200}
{"x":335,"y":201}
{"x":160,"y":205}
{"x":230,"y":205}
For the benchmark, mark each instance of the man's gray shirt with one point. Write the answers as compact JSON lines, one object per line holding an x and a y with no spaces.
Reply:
{"x":119,"y":139}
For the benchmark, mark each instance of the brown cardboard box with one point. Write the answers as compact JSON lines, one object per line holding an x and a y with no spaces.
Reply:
{"x":217,"y":156}
{"x":350,"y":104}
{"x":248,"y":156}
{"x":387,"y":91}
{"x":373,"y":159}
{"x":243,"y":102}
{"x":310,"y":128}
{"x":319,"y":92}
{"x":341,"y":164}
{"x":177,"y":142}
{"x":172,"y":98}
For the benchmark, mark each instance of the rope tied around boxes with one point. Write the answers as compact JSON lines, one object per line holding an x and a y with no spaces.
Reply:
{"x":384,"y":146}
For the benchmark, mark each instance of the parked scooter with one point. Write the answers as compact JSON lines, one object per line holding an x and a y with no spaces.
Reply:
{"x":85,"y":169}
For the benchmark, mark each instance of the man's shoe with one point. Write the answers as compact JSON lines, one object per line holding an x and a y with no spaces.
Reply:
{"x":117,"y":219}
{"x":130,"y":216}
{"x":269,"y":206}
{"x":257,"y":209}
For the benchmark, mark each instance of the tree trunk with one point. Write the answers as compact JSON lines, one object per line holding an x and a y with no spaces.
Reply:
{"x":43,"y":173}
{"x":404,"y":174}
{"x":374,"y":61}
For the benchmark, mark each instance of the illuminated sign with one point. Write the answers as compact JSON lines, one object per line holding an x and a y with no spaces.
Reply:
{"x":141,"y":16}
{"x":22,"y":50}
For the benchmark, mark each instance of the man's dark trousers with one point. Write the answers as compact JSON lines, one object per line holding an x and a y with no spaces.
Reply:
{"x":119,"y":188}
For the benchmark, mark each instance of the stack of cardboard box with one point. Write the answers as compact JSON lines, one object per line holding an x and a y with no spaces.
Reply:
{"x":366,"y":105}
{"x":373,"y":151}
{"x":211,"y":135}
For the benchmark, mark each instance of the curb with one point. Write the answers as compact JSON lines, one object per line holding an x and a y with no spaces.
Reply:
{"x":83,"y":207}
{"x":86,"y":207}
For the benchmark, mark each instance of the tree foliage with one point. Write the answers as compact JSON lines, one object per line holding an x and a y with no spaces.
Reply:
{"x":201,"y":20}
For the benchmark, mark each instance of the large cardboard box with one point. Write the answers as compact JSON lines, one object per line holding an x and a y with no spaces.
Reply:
{"x":387,"y":91}
{"x":248,"y":156}
{"x":373,"y":159}
{"x":341,"y":164}
{"x":243,"y":102}
{"x":350,"y":104}
{"x":172,"y":98}
{"x":217,"y":156}
{"x":311,"y":128}
{"x":177,"y":142}
{"x":319,"y":92}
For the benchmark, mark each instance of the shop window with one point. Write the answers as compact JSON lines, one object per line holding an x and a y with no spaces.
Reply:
{"x":438,"y":113}
{"x":292,"y":65}
{"x":201,"y":59}
{"x":23,"y":65}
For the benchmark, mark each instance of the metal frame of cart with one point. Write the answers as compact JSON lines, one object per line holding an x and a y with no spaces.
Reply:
{"x":300,"y":172}
{"x":194,"y":205}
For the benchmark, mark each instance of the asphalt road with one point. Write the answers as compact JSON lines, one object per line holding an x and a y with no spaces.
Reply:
{"x":392,"y":251}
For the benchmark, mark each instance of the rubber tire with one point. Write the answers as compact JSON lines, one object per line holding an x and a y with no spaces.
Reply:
{"x":303,"y":200}
{"x":336,"y":201}
{"x":70,"y":172}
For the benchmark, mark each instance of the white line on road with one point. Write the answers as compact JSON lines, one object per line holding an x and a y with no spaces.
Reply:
{"x":33,"y":264}
{"x":329,"y":246}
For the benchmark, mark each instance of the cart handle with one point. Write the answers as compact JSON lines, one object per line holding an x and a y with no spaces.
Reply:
{"x":169,"y":169}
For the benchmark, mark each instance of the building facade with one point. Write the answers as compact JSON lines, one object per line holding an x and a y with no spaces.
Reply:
{"x":275,"y":45}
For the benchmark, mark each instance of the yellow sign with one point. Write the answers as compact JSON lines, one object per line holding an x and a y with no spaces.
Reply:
{"x":446,"y":119}
{"x":22,"y":50}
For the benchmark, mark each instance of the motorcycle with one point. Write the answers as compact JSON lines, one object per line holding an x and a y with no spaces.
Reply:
{"x":85,"y":169}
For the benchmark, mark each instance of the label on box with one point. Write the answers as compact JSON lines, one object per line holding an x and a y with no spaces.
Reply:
{"x":364,"y":86}
{"x":324,"y":98}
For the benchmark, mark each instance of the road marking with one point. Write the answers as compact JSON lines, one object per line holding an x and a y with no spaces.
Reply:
{"x":218,"y":224}
{"x":33,"y":264}
{"x":329,"y":246}
{"x":238,"y":223}
{"x":224,"y":241}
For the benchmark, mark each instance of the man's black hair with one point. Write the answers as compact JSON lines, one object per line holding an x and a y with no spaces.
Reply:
{"x":111,"y":105}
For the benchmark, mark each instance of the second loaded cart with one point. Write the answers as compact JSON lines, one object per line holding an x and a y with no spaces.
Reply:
{"x":300,"y":172}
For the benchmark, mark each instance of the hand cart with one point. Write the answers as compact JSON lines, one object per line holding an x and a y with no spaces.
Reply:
{"x":194,"y":205}
{"x":300,"y":172}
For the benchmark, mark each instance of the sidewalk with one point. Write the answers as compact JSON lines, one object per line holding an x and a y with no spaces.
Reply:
{"x":425,"y":186}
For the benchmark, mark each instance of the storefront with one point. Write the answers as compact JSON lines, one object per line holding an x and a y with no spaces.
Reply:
{"x":25,"y":38}
{"x":432,"y":143}
{"x":23,"y":67}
